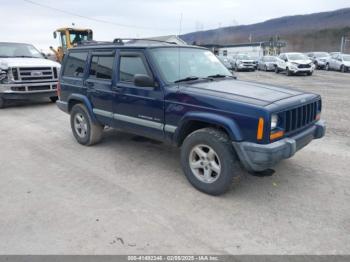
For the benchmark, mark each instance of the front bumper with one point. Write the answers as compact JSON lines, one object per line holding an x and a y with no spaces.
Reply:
{"x":27,"y":91}
{"x":246,"y":67}
{"x":256,"y":157}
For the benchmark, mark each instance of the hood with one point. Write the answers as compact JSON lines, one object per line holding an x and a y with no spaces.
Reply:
{"x":26,"y":62}
{"x":347,"y":63}
{"x":301,"y":62}
{"x":247,"y":92}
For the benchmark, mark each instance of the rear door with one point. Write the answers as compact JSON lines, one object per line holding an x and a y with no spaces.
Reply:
{"x":139,"y":110}
{"x":99,"y":84}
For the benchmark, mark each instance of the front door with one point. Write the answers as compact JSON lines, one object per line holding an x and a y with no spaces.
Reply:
{"x":139,"y":110}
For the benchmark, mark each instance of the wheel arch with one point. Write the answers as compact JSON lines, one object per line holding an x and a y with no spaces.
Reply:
{"x":74,"y":99}
{"x":197,"y":120}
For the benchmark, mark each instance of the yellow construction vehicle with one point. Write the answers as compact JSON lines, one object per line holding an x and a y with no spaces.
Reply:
{"x":69,"y":37}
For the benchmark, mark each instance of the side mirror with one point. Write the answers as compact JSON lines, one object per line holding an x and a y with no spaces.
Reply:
{"x":285,"y":60}
{"x":55,"y":35}
{"x":44,"y":55}
{"x":143,"y":81}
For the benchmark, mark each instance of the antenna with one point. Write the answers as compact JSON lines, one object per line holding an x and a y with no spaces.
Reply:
{"x":179,"y":51}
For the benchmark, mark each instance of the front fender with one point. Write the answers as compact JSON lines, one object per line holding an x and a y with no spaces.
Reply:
{"x":84,"y":100}
{"x":226,"y":123}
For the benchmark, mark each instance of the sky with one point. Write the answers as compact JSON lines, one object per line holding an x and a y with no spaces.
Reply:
{"x":22,"y":21}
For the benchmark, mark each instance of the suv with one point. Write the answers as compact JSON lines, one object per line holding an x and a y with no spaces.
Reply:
{"x":320,"y":59}
{"x":340,"y":62}
{"x":244,"y":62}
{"x":185,"y":96}
{"x":295,"y":63}
{"x":26,"y":74}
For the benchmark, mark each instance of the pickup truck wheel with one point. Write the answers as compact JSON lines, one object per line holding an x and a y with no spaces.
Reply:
{"x":85,"y":131}
{"x":2,"y":102}
{"x":53,"y":99}
{"x":209,"y":161}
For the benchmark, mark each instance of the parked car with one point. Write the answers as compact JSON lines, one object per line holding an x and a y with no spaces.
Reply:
{"x":243,"y":62}
{"x":26,"y":74}
{"x":226,"y":61}
{"x":217,"y":121}
{"x":267,"y":63}
{"x":295,"y":63}
{"x":319,"y":59}
{"x":339,"y":62}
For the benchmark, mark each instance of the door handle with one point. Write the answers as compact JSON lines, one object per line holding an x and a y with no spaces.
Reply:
{"x":89,"y":84}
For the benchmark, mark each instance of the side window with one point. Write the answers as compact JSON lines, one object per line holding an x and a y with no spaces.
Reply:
{"x":75,"y":64}
{"x":101,"y":67}
{"x":130,"y":66}
{"x":225,"y":52}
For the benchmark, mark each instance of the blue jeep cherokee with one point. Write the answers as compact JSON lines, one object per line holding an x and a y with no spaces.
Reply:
{"x":185,"y":96}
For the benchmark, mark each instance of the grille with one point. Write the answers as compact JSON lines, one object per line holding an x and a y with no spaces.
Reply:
{"x":38,"y":88}
{"x":36,"y":74}
{"x":304,"y":66}
{"x":33,"y":88}
{"x":301,"y":116}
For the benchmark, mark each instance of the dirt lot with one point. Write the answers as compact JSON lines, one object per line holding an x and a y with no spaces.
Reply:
{"x":128,"y":195}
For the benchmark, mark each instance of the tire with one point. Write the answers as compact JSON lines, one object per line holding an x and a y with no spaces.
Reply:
{"x":289,"y":73}
{"x":327,"y":67}
{"x":309,"y":73}
{"x":90,"y":133}
{"x":265,"y":68}
{"x":277,"y":70}
{"x":2,"y":102}
{"x":343,"y":69}
{"x":222,"y":164}
{"x":53,"y":99}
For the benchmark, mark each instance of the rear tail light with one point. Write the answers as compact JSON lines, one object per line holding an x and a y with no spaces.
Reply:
{"x":58,"y":89}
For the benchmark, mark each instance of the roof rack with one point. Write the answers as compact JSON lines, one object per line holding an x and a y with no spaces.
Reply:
{"x":94,"y":42}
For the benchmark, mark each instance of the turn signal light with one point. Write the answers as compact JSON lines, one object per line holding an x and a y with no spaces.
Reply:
{"x":276,"y":135}
{"x":260,"y":133}
{"x":318,"y":117}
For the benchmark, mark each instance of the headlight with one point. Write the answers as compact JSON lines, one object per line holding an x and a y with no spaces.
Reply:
{"x":274,"y":121}
{"x":3,"y":75}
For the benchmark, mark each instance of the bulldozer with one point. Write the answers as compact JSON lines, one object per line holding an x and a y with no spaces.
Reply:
{"x":69,"y":37}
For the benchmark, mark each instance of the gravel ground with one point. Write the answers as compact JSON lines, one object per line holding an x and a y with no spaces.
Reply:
{"x":128,"y":195}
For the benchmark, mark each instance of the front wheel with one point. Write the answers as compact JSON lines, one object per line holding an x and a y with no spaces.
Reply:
{"x":277,"y":70}
{"x":53,"y":99}
{"x":289,"y":73}
{"x":85,"y":131}
{"x":327,"y":67}
{"x":209,"y":161}
{"x":343,"y":69}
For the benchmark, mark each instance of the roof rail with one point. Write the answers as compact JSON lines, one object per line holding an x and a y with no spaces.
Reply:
{"x":93,"y":42}
{"x":121,"y":40}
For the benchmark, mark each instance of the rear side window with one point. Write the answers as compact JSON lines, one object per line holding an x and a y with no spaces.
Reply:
{"x":102,"y":67}
{"x":75,"y":64}
{"x":130,"y":66}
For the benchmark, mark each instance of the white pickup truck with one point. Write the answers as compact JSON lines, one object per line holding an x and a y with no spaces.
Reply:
{"x":26,"y":74}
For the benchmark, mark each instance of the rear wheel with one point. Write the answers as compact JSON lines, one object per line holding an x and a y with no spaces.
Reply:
{"x":2,"y":102}
{"x":209,"y":161}
{"x":85,"y":131}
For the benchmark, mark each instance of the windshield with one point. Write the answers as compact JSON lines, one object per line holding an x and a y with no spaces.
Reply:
{"x":346,"y":58}
{"x":181,"y":63}
{"x":77,"y":37}
{"x":269,"y":59}
{"x":244,"y":57}
{"x":297,"y":57}
{"x":19,"y":50}
{"x":321,"y":54}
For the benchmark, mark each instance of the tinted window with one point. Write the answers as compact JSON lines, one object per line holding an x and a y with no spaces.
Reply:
{"x":75,"y":64}
{"x":130,"y":66}
{"x":101,"y":67}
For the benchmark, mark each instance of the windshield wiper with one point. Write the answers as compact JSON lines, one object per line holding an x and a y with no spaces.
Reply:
{"x":189,"y":78}
{"x":25,"y":56}
{"x":221,"y":76}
